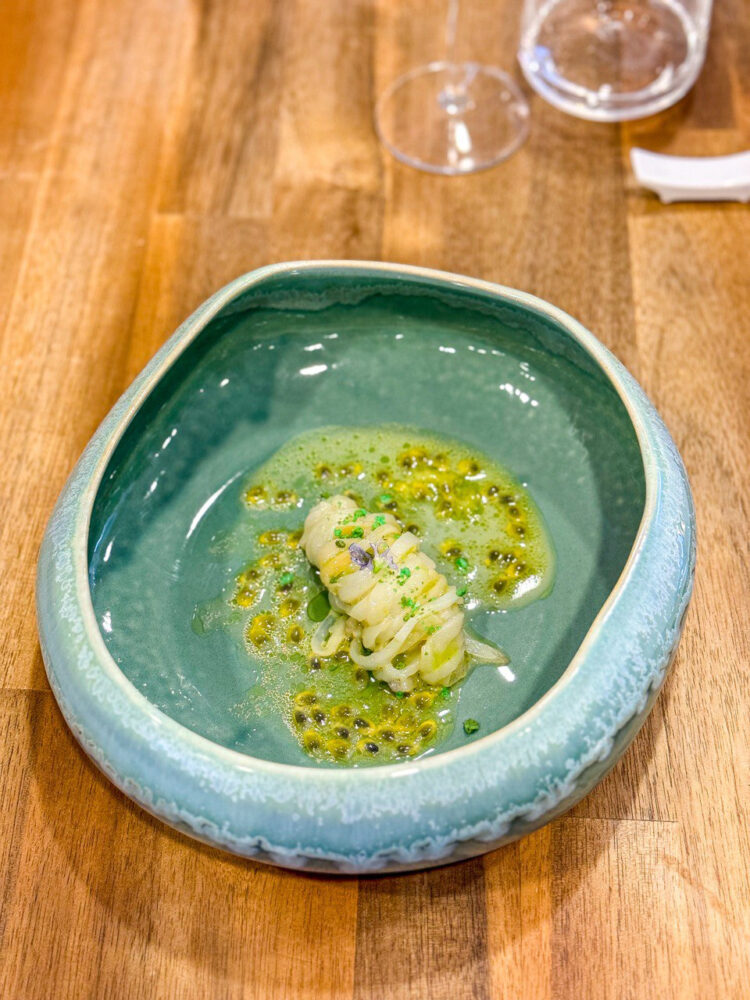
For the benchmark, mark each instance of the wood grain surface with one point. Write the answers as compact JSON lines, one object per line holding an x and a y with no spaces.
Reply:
{"x":151,"y":150}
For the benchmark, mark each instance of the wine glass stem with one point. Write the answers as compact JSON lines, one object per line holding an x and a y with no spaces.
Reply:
{"x":451,"y":27}
{"x":453,"y":96}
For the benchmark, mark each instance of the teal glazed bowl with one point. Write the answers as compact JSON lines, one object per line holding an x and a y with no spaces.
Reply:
{"x":135,"y":543}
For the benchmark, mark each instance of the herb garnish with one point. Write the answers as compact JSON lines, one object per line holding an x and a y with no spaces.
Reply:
{"x":318,"y":607}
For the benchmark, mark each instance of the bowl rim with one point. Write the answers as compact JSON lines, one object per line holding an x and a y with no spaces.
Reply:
{"x":656,"y":449}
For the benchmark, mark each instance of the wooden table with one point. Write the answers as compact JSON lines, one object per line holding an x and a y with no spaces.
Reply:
{"x":150,"y":150}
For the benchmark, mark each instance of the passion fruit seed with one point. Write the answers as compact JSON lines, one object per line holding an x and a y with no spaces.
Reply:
{"x":386,"y":734}
{"x":256,"y":496}
{"x":259,"y":630}
{"x":311,"y":741}
{"x":337,"y":748}
{"x":427,"y":730}
{"x":306,"y":698}
{"x":271,"y":537}
{"x":272,"y":561}
{"x":246,"y":597}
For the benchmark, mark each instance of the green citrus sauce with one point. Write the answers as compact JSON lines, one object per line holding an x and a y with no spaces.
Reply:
{"x":473,"y":518}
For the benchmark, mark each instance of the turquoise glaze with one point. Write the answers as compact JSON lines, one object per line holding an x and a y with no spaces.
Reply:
{"x":148,"y":523}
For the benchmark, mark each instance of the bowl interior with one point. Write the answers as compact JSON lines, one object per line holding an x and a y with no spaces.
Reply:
{"x":320,"y":347}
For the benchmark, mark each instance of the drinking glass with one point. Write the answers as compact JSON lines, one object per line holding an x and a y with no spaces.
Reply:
{"x":452,"y":117}
{"x":612,"y":60}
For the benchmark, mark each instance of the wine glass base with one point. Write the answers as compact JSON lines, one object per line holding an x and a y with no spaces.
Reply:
{"x":452,"y":118}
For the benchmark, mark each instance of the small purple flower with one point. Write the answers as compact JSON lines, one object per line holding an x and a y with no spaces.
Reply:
{"x":389,"y":560}
{"x":359,"y":557}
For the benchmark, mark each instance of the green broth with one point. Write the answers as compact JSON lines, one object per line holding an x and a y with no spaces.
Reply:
{"x":478,"y":523}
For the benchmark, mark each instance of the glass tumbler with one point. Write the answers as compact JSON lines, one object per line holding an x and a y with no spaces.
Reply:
{"x":612,"y":60}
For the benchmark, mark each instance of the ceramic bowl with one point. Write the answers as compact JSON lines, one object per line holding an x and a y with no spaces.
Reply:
{"x":132,"y":547}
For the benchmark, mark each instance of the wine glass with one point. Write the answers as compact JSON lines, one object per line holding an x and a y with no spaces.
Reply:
{"x":452,"y":117}
{"x":613,"y":60}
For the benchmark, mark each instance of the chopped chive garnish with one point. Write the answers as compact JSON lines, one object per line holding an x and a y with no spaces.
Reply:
{"x":471,"y":726}
{"x":380,"y":520}
{"x":385,"y":498}
{"x":399,"y":694}
{"x":356,"y":532}
{"x":405,"y":573}
{"x":460,"y":591}
{"x":338,"y":532}
{"x":286,"y":578}
{"x":445,"y":692}
{"x":461,"y":564}
{"x":340,"y":544}
{"x":359,"y":513}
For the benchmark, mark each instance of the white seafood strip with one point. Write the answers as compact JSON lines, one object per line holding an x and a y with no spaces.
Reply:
{"x":400,"y":607}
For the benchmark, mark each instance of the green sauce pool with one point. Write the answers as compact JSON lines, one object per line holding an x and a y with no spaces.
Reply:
{"x":472,"y":517}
